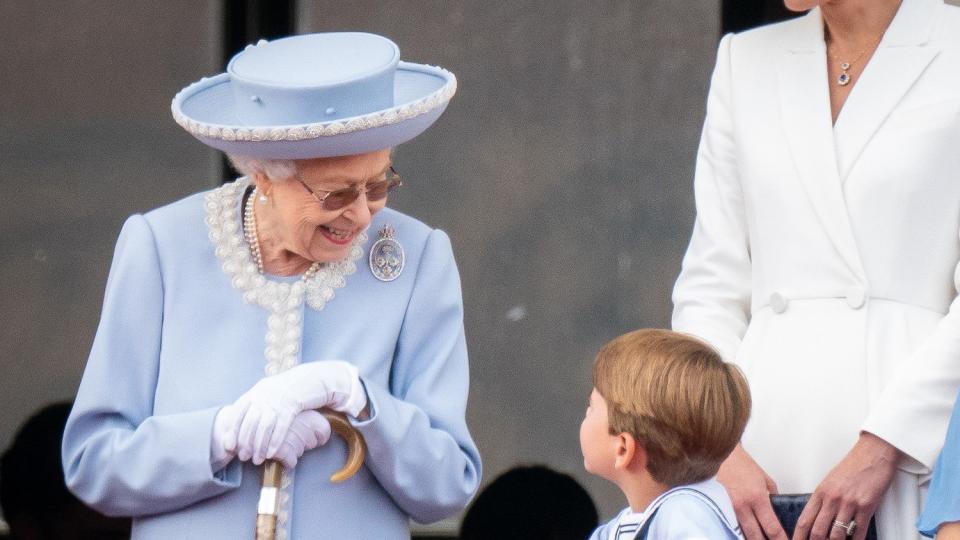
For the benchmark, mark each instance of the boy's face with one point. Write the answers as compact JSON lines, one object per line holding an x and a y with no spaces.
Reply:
{"x":596,"y":442}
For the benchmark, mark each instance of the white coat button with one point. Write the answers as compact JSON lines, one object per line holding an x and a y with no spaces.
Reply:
{"x":778,"y":303}
{"x":856,"y":298}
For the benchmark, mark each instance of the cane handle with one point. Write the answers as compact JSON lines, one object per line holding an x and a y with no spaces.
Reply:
{"x":356,"y":447}
{"x":268,"y":506}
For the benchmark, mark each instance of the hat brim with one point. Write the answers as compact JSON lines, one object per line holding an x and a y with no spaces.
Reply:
{"x":421,"y":93}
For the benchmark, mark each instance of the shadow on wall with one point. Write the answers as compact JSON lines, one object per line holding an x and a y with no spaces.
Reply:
{"x":34,"y":498}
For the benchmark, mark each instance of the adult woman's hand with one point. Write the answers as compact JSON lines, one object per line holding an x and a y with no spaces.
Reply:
{"x":309,"y":430}
{"x":750,"y":488}
{"x":851,"y":491}
{"x":264,"y":414}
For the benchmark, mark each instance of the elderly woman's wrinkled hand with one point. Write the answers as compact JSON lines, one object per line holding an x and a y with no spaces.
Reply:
{"x":263,"y":415}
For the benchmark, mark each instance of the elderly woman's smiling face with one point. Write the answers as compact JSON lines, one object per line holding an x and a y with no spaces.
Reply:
{"x":296,"y":229}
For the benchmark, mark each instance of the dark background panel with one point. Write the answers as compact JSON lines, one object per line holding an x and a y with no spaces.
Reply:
{"x":739,"y":15}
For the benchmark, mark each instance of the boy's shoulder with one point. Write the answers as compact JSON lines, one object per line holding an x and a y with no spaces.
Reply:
{"x":603,"y":532}
{"x":696,"y":511}
{"x":699,"y":511}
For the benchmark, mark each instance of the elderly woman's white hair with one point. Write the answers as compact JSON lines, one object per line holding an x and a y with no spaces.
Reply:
{"x":277,"y":170}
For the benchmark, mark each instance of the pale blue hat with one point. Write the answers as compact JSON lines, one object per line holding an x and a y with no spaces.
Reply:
{"x":315,"y":95}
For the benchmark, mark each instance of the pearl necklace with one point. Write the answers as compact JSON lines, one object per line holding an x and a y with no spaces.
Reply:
{"x":250,"y":233}
{"x":250,"y":230}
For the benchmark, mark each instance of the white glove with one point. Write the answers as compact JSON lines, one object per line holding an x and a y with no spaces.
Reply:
{"x":262,"y":416}
{"x":308,"y":431}
{"x":222,"y":423}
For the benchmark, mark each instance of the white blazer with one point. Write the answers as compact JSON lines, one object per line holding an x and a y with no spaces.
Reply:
{"x":824,"y":258}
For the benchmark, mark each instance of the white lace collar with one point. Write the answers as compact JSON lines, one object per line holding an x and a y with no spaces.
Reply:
{"x":226,"y":233}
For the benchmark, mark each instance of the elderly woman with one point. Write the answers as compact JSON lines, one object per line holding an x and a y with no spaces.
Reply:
{"x":231,"y":315}
{"x":824,"y":258}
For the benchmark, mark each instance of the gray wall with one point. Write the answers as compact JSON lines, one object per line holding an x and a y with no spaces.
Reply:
{"x":562,"y":171}
{"x":85,"y":140}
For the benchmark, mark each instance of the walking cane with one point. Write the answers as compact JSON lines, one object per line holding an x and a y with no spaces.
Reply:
{"x":269,"y":505}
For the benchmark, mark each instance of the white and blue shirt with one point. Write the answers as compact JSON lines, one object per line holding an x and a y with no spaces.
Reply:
{"x":701,"y":511}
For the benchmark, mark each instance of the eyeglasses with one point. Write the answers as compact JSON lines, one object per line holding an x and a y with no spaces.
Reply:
{"x":337,"y":199}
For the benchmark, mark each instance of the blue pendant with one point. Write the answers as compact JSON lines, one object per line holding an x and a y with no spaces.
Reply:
{"x":386,"y":255}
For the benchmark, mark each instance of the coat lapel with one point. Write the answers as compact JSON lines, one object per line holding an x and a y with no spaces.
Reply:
{"x":805,"y":109}
{"x":899,"y":61}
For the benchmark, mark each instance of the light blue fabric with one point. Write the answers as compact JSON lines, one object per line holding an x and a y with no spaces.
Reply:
{"x":313,"y":78}
{"x":605,"y":531}
{"x":943,"y":499}
{"x":700,"y":511}
{"x":314,"y":95}
{"x":176,"y":342}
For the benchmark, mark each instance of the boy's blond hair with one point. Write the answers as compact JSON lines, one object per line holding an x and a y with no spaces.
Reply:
{"x":682,"y":403}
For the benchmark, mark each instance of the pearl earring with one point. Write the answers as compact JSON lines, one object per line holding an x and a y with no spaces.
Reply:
{"x":263,"y":199}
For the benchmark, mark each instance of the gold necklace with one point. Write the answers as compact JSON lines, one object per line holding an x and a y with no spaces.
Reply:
{"x":844,"y":78}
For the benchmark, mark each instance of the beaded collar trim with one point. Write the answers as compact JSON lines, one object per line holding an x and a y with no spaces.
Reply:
{"x":226,"y":233}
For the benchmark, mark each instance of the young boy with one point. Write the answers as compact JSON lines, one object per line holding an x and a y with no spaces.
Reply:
{"x":665,"y":411}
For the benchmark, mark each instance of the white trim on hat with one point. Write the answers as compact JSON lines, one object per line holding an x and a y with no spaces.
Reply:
{"x":393,"y":115}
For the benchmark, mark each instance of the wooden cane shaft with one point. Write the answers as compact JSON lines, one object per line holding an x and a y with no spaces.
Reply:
{"x":268,"y":506}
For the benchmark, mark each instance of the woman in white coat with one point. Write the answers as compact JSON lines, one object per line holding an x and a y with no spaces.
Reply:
{"x":824,"y":257}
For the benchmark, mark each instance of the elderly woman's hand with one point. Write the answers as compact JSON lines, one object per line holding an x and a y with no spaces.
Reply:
{"x":309,"y":430}
{"x":851,"y":491}
{"x":264,"y":414}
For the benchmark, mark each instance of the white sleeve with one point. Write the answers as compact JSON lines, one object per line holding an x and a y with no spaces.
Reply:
{"x":712,"y":294}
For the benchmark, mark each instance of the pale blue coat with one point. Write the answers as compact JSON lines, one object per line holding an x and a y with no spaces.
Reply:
{"x":176,"y":342}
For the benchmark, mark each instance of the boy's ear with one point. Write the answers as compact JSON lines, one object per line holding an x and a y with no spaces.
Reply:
{"x":628,"y":453}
